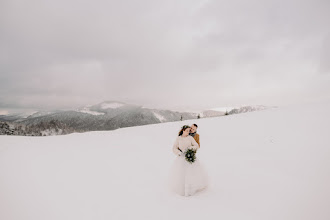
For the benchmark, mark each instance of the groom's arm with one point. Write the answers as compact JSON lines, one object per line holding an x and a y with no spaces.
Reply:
{"x":196,"y":137}
{"x":194,"y":142}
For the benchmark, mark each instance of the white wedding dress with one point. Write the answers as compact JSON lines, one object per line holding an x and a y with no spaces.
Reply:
{"x":186,"y":178}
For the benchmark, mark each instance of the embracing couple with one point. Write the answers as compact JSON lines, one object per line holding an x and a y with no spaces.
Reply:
{"x":187,"y":137}
{"x":187,"y":178}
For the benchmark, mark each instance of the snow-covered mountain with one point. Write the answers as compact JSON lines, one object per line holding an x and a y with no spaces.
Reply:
{"x":108,"y":115}
{"x":41,"y":113}
{"x":17,"y":116}
{"x":221,"y":111}
{"x":211,"y":113}
{"x":272,"y":164}
{"x":245,"y":109}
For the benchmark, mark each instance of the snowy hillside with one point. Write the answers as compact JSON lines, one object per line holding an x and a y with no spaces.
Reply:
{"x":245,"y":109}
{"x":108,"y":115}
{"x":221,"y":111}
{"x":265,"y":165}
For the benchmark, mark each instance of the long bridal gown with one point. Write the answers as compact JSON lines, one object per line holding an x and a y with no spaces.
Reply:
{"x":186,"y":178}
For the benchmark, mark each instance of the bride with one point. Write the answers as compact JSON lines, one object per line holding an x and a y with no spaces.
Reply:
{"x":186,"y":178}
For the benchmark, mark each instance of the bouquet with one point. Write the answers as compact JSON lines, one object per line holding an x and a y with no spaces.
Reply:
{"x":190,"y":155}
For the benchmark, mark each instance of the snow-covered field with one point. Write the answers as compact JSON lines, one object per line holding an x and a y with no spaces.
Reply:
{"x":269,"y":165}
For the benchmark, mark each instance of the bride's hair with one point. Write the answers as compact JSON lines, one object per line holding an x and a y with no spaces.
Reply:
{"x":184,"y":127}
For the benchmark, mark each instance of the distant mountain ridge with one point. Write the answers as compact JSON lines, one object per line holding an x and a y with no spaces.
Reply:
{"x":107,"y":115}
{"x":245,"y":109}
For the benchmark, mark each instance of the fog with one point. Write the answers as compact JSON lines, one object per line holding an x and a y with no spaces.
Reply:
{"x":183,"y":55}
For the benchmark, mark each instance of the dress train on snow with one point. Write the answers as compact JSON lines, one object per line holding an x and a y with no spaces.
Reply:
{"x":186,"y":178}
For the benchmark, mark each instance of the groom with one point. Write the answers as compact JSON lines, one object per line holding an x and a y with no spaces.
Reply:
{"x":193,"y":132}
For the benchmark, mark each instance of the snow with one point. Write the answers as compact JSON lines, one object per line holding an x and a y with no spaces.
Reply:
{"x":159,"y":117}
{"x":228,"y":109}
{"x":41,"y":113}
{"x":23,"y":114}
{"x":263,"y":165}
{"x":49,"y":132}
{"x":87,"y":111}
{"x":111,"y":105}
{"x":27,"y":114}
{"x":222,"y":109}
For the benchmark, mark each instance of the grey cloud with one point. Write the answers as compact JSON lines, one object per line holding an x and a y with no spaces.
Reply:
{"x":168,"y":54}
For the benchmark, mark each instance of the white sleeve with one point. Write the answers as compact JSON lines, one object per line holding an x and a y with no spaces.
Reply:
{"x":175,"y":148}
{"x":194,"y":143}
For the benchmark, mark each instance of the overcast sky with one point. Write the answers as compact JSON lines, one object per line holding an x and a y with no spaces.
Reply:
{"x":173,"y":54}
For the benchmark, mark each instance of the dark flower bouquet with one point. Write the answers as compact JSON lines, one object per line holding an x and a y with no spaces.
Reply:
{"x":190,"y":155}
